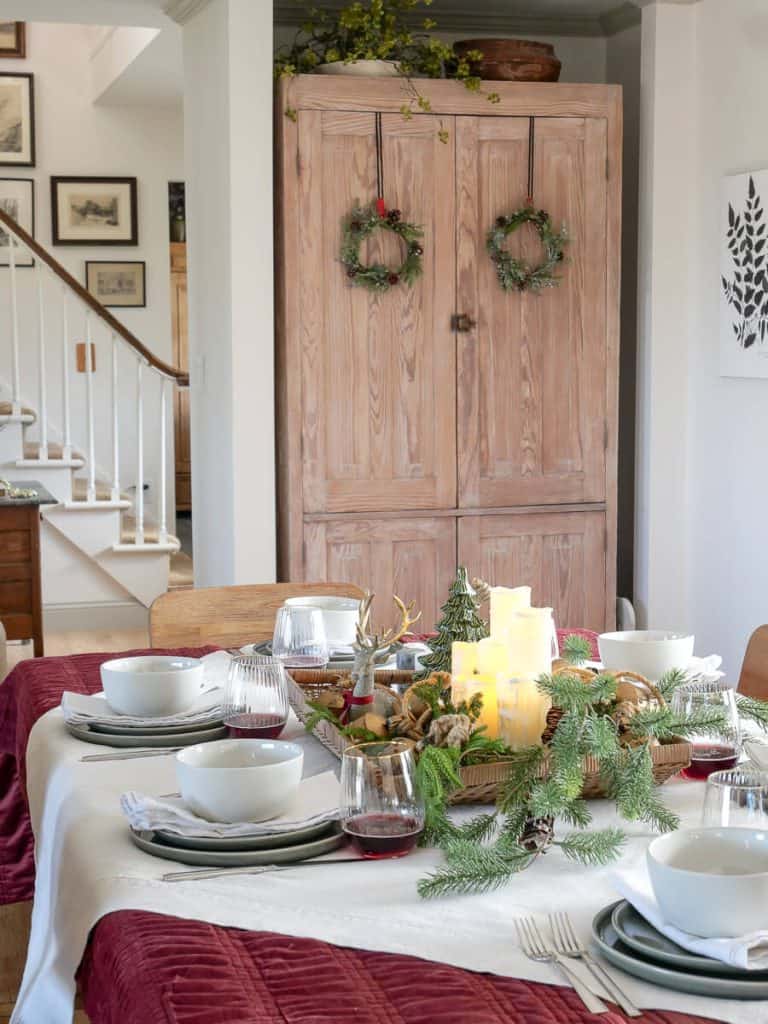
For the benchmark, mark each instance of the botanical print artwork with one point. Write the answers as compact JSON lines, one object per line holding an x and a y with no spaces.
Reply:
{"x":116,"y":283}
{"x":744,"y":277}
{"x":17,"y":145}
{"x":17,"y":198}
{"x":93,"y":209}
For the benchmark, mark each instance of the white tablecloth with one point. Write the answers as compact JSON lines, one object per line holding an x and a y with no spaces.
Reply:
{"x":87,"y":867}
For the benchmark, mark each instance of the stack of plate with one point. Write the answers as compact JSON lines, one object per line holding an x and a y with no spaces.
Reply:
{"x":242,"y":851}
{"x":340,"y":658}
{"x":116,"y":735}
{"x":627,"y":940}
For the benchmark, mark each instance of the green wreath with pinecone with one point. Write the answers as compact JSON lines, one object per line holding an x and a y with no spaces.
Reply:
{"x":516,"y":274}
{"x":360,"y":224}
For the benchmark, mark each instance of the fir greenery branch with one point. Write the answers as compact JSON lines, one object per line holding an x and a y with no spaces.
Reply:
{"x":523,"y":770}
{"x":664,"y":723}
{"x":474,"y":869}
{"x":592,"y":848}
{"x":576,"y":649}
{"x":670,"y":681}
{"x":753,"y":710}
{"x":630,"y":783}
{"x":322,"y":714}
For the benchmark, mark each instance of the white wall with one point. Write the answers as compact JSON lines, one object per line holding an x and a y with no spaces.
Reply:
{"x":75,"y":137}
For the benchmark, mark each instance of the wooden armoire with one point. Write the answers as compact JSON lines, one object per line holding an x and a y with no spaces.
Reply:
{"x":450,"y":422}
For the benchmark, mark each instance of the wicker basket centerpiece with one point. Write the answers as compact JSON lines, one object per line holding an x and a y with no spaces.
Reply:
{"x":318,"y":698}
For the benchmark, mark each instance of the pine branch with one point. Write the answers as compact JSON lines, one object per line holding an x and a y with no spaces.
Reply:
{"x":600,"y":739}
{"x":576,"y":649}
{"x":753,"y":710}
{"x":670,"y":681}
{"x":665,"y":723}
{"x":593,"y":848}
{"x":565,"y":691}
{"x":565,"y":767}
{"x":473,"y":869}
{"x":630,"y":782}
{"x":576,"y":813}
{"x":479,"y":748}
{"x":547,"y":800}
{"x":522,"y":774}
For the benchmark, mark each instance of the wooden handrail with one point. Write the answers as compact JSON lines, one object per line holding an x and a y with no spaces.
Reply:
{"x":180,"y":376}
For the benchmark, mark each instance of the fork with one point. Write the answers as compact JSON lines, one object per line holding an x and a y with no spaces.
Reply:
{"x":129,"y":755}
{"x":535,"y":948}
{"x":568,"y":945}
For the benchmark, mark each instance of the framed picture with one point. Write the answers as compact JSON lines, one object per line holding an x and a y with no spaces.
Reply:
{"x":13,"y":40}
{"x":117,"y":282}
{"x":17,"y":120}
{"x":17,"y":199}
{"x":94,"y":211}
{"x":744,"y":276}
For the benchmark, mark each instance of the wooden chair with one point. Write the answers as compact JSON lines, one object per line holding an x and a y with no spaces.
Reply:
{"x":753,"y":681}
{"x":228,"y":616}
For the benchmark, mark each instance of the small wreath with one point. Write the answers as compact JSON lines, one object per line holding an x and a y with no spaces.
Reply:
{"x":515,"y":274}
{"x":360,"y":224}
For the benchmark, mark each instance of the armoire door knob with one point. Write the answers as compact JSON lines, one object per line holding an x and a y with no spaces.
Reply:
{"x":462,"y":322}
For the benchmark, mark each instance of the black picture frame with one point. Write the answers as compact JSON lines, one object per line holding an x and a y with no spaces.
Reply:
{"x":28,"y":261}
{"x":81,"y":179}
{"x":31,"y":115}
{"x":118,"y":305}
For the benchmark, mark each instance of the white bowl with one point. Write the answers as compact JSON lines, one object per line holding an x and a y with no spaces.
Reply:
{"x":239,"y":780}
{"x":711,"y":882}
{"x":377,"y":68}
{"x":152,"y":685}
{"x":339,"y":616}
{"x":651,"y":652}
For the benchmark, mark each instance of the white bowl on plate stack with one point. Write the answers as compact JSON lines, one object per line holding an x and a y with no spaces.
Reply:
{"x":339,"y":617}
{"x":649,"y":652}
{"x":239,"y":780}
{"x":152,"y":685}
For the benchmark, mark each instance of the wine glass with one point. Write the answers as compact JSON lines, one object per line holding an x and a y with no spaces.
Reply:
{"x":382,"y":811}
{"x":736,"y":799}
{"x":299,"y":640}
{"x":712,"y":752}
{"x":256,"y":697}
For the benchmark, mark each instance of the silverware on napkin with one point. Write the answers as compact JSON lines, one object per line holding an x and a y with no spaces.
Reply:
{"x":535,"y":948}
{"x":127,"y":755}
{"x":568,"y":945}
{"x":195,"y":876}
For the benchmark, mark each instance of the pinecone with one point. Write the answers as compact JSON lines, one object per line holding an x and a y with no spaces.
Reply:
{"x":417,"y":250}
{"x":351,"y":272}
{"x":553,"y":720}
{"x":355,"y":225}
{"x":537,"y":834}
{"x":393,"y":278}
{"x":501,"y":222}
{"x":393,"y":216}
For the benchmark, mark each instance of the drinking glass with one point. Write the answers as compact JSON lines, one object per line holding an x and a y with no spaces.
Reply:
{"x":711,"y":752}
{"x":300,"y":640}
{"x":736,"y":799}
{"x":256,"y":697}
{"x":381,"y":808}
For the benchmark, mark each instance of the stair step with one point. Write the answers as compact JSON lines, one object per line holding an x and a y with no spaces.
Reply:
{"x":55,"y":457}
{"x":27,"y":415}
{"x":151,"y":535}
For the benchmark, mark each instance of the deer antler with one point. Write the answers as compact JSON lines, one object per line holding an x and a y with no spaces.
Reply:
{"x":368,"y":639}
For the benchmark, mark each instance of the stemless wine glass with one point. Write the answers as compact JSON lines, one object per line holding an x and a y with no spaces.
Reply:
{"x":256,"y":697}
{"x":736,"y":799}
{"x":711,"y":752}
{"x":381,"y":808}
{"x":300,"y":640}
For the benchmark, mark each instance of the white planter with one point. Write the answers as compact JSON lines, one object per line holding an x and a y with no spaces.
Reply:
{"x":377,"y":68}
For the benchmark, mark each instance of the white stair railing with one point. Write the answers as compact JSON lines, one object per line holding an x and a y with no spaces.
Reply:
{"x":61,"y":304}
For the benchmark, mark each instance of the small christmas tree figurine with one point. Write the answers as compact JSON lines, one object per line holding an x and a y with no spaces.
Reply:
{"x":460,"y":621}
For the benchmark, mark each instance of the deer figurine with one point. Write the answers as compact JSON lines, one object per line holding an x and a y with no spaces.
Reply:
{"x":367,"y":645}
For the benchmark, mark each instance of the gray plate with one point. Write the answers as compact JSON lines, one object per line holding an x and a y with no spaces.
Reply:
{"x":634,"y":931}
{"x":148,"y":730}
{"x":150,"y":843}
{"x":716,"y":984}
{"x":339,"y":661}
{"x":149,"y":739}
{"x":221,"y":844}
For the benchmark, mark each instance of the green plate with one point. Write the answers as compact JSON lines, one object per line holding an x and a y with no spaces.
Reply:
{"x":718,"y":983}
{"x":151,"y":843}
{"x":149,"y":730}
{"x":87,"y":734}
{"x":635,"y":932}
{"x":217,"y":844}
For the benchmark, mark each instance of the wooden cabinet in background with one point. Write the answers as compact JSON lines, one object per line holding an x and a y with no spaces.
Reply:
{"x":450,"y":422}
{"x":180,"y":335}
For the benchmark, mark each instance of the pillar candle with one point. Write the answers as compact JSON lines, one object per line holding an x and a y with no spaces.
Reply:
{"x":522,"y":713}
{"x":505,"y":601}
{"x":486,"y":685}
{"x":493,"y":657}
{"x":531,"y":641}
{"x":463,"y":658}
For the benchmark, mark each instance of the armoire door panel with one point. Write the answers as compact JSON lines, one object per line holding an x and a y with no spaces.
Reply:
{"x":378,"y":370}
{"x":560,"y":554}
{"x":532,"y":375}
{"x":413,"y":558}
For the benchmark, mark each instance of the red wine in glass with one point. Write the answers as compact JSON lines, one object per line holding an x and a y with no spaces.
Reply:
{"x":382,"y":835}
{"x":707,"y":758}
{"x":252,"y":726}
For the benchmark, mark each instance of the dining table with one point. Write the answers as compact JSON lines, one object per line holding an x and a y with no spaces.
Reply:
{"x":146,"y":967}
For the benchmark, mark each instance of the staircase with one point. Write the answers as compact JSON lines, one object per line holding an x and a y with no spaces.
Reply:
{"x":98,"y":440}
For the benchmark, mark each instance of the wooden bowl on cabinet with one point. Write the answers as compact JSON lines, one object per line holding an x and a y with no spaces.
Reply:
{"x":512,"y":60}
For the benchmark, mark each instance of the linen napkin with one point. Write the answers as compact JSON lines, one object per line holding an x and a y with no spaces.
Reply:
{"x":705,"y":670}
{"x":316,"y":801}
{"x":750,"y":952}
{"x":93,"y":709}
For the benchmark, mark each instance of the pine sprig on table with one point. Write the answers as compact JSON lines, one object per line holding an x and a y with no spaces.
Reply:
{"x":663,"y":723}
{"x":629,"y":776}
{"x":592,"y":848}
{"x":576,"y":649}
{"x":474,"y":869}
{"x":753,"y":710}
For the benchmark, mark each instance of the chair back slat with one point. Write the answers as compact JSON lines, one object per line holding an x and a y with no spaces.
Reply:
{"x":228,"y":616}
